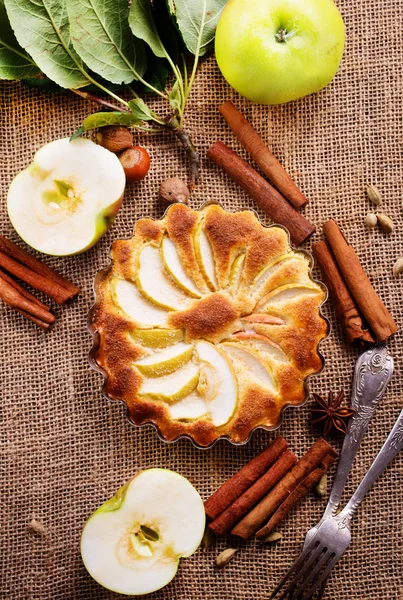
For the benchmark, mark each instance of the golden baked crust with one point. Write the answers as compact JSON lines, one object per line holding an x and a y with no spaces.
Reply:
{"x":259,"y":308}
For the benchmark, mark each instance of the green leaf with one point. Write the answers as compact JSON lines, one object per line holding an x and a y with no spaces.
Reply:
{"x":41,"y":27}
{"x":140,"y":110}
{"x":197,"y":21}
{"x":14,"y":62}
{"x":142,"y":24}
{"x":101,"y":119}
{"x":101,"y":35}
{"x":175,"y":98}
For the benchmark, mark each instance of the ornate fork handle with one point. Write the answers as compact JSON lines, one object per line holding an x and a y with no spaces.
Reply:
{"x":372,"y":373}
{"x":392,"y":446}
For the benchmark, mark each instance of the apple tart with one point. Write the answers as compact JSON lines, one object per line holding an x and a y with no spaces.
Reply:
{"x":207,"y":324}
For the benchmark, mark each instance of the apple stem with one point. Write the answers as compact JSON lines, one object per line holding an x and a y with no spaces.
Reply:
{"x":191,"y":152}
{"x":88,"y":96}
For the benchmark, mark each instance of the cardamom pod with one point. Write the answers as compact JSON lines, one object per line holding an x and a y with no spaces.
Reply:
{"x":371,"y":220}
{"x":321,"y":486}
{"x":385,"y":223}
{"x":398,"y":267}
{"x":373,"y":195}
{"x":274,"y":536}
{"x":208,"y":538}
{"x":224,"y":558}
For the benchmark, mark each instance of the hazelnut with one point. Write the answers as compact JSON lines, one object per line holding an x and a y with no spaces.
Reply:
{"x":114,"y":138}
{"x":174,"y":190}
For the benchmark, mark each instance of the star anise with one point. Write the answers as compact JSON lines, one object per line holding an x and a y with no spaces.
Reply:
{"x":330,"y":413}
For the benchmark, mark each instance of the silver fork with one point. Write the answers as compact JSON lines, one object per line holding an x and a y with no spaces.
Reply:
{"x":333,"y":535}
{"x":372,"y":373}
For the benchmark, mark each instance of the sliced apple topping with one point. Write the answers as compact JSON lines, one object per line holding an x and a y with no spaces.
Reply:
{"x":174,"y":266}
{"x":252,"y":361}
{"x":133,"y":543}
{"x":263,"y":318}
{"x":221,"y":387}
{"x":204,"y":257}
{"x":154,"y":282}
{"x":189,"y":409}
{"x":157,"y":338}
{"x":236,"y":273}
{"x":264,"y":276}
{"x":262,"y":343}
{"x":68,"y":197}
{"x":165,"y":362}
{"x":129,"y":299}
{"x":286,"y":293}
{"x":170,"y":388}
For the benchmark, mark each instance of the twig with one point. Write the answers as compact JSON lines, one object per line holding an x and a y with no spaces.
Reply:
{"x":97,"y":100}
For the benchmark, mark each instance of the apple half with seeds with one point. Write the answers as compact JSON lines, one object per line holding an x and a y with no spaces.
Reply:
{"x":68,"y":196}
{"x":133,"y":543}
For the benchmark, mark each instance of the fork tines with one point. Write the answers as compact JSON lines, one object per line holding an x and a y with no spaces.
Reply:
{"x":307,"y":573}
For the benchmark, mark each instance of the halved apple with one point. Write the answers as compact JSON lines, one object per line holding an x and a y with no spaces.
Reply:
{"x":154,"y":282}
{"x":174,"y":266}
{"x":170,"y":388}
{"x":285,"y":293}
{"x":133,"y":543}
{"x":128,"y":298}
{"x":252,"y":361}
{"x":166,"y":361}
{"x":157,"y":338}
{"x":67,"y":198}
{"x":221,"y":387}
{"x":189,"y":409}
{"x":204,"y":257}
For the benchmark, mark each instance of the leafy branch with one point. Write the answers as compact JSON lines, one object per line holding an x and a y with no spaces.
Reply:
{"x":96,"y":43}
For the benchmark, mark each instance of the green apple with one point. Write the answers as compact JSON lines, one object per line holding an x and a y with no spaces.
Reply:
{"x":247,"y":358}
{"x":287,"y":293}
{"x":133,"y":543}
{"x":204,"y":257}
{"x":157,"y":338}
{"x":174,"y":266}
{"x":236,"y":273}
{"x":127,"y":297}
{"x":274,"y":51}
{"x":67,"y":198}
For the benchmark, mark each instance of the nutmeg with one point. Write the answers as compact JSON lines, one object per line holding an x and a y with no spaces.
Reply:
{"x":114,"y":138}
{"x":174,"y":190}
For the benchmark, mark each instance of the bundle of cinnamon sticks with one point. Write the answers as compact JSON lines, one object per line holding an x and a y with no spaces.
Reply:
{"x":359,"y":310}
{"x":281,"y":197}
{"x":257,"y":498}
{"x":16,"y":262}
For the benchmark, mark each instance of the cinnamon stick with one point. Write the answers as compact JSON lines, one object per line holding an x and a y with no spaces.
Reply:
{"x":375,"y":312}
{"x":22,"y":290}
{"x":346,"y":309}
{"x":16,"y":300}
{"x":264,"y":194}
{"x":57,"y":287}
{"x":224,"y":522}
{"x":257,"y":517}
{"x":241,"y":481}
{"x":261,"y":154}
{"x":296,"y":495}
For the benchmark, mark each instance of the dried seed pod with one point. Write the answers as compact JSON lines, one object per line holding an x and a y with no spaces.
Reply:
{"x":385,"y":223}
{"x":114,"y":138}
{"x":224,"y":558}
{"x":37,"y":527}
{"x":398,"y":267}
{"x":174,"y":190}
{"x":371,"y":220}
{"x":321,"y":486}
{"x":208,"y":538}
{"x":373,"y":195}
{"x":273,"y":537}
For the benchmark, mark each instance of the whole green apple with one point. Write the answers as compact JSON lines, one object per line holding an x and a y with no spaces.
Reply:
{"x":274,"y":51}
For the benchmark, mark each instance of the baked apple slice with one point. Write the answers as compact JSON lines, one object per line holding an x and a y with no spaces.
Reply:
{"x":67,"y":198}
{"x":133,"y":543}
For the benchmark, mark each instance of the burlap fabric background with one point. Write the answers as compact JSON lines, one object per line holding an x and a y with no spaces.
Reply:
{"x":65,"y":450}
